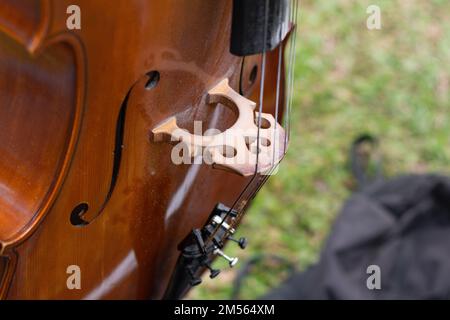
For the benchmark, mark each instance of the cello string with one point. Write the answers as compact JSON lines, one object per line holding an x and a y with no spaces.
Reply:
{"x":273,"y":145}
{"x":240,"y":198}
{"x":261,"y":103}
{"x":277,"y":101}
{"x":286,"y":109}
{"x":292,"y":21}
{"x":287,"y":104}
{"x":260,"y":110}
{"x":291,"y":80}
{"x":261,"y":92}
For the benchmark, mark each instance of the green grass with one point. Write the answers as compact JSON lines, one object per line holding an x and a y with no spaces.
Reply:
{"x":393,"y":83}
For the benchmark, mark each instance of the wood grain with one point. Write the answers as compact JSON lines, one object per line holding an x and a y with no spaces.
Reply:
{"x":75,"y":122}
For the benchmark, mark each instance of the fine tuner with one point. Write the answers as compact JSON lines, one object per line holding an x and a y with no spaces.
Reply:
{"x":206,"y":243}
{"x":231,"y":261}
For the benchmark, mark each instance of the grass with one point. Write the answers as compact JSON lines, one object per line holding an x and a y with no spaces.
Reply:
{"x":392,"y":83}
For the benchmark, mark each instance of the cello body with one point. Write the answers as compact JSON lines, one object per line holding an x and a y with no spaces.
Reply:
{"x":82,"y":182}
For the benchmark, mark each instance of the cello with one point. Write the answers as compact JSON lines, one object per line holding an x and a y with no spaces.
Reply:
{"x":108,"y":187}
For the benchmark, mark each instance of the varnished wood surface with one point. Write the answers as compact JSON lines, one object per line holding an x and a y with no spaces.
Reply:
{"x":62,"y":98}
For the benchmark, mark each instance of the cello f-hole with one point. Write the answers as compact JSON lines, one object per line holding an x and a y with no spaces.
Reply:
{"x":153,"y":79}
{"x":76,"y":217}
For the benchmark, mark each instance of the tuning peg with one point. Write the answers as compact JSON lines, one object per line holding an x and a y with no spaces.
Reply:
{"x":231,"y":261}
{"x":242,"y":242}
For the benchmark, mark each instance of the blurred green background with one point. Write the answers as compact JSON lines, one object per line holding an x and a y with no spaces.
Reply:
{"x":392,"y":83}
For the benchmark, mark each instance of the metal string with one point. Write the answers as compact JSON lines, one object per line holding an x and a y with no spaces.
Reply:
{"x":291,"y":73}
{"x":293,"y":13}
{"x":287,"y":109}
{"x":261,"y":99}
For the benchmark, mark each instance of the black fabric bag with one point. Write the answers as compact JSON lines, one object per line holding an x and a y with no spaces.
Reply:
{"x":402,"y":226}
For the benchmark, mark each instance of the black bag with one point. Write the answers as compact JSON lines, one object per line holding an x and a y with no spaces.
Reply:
{"x":402,"y":226}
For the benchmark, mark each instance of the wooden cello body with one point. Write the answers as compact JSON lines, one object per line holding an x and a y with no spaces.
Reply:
{"x":83,"y":184}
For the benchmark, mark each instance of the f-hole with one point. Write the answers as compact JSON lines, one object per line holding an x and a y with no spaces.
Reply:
{"x":76,"y":217}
